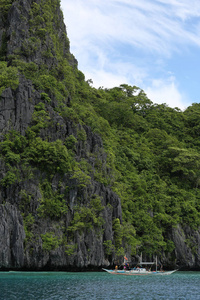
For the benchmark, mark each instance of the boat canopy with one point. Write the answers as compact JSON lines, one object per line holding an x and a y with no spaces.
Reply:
{"x":146,"y":263}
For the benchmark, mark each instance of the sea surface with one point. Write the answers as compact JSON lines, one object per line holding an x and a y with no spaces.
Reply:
{"x":98,"y":286}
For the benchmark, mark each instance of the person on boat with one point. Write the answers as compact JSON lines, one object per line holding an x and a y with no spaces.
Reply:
{"x":116,"y":267}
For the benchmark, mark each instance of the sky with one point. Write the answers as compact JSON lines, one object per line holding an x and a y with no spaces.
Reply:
{"x":151,"y":44}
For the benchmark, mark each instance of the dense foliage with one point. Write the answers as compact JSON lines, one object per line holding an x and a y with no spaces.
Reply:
{"x":153,"y":151}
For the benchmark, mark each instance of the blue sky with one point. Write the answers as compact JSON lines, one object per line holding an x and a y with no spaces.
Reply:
{"x":153,"y":44}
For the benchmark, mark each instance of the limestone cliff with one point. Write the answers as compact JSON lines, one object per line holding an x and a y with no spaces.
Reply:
{"x":32,"y":238}
{"x":57,"y":208}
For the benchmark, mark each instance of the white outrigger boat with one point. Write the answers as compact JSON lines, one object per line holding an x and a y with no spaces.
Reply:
{"x":140,"y":271}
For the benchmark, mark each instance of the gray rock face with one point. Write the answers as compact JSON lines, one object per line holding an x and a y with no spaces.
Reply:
{"x":24,"y":233}
{"x":187,"y":247}
{"x":12,"y":237}
{"x":16,"y":111}
{"x":18,"y":36}
{"x":186,"y":253}
{"x":16,"y":108}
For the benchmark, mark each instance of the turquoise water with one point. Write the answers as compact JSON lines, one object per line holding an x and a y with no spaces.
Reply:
{"x":98,"y":286}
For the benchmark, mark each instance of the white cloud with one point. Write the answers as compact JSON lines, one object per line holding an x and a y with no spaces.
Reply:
{"x":116,"y":73}
{"x":166,"y":91}
{"x":183,"y":9}
{"x":122,"y":41}
{"x":151,"y":25}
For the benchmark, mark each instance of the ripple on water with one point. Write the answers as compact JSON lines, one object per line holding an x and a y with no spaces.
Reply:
{"x":98,"y":286}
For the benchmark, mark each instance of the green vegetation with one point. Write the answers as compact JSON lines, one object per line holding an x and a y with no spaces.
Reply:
{"x":28,"y":227}
{"x":70,"y":249}
{"x":52,"y":204}
{"x":151,"y":155}
{"x":8,"y":77}
{"x":4,"y":7}
{"x":50,"y":241}
{"x":9,"y":178}
{"x":109,"y":248}
{"x":87,"y":217}
{"x":51,"y":157}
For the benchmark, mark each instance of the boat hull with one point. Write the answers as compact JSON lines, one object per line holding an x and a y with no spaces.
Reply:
{"x":139,"y":272}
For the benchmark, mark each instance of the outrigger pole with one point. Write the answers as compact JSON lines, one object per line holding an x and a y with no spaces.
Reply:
{"x":156,"y":263}
{"x":149,"y":263}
